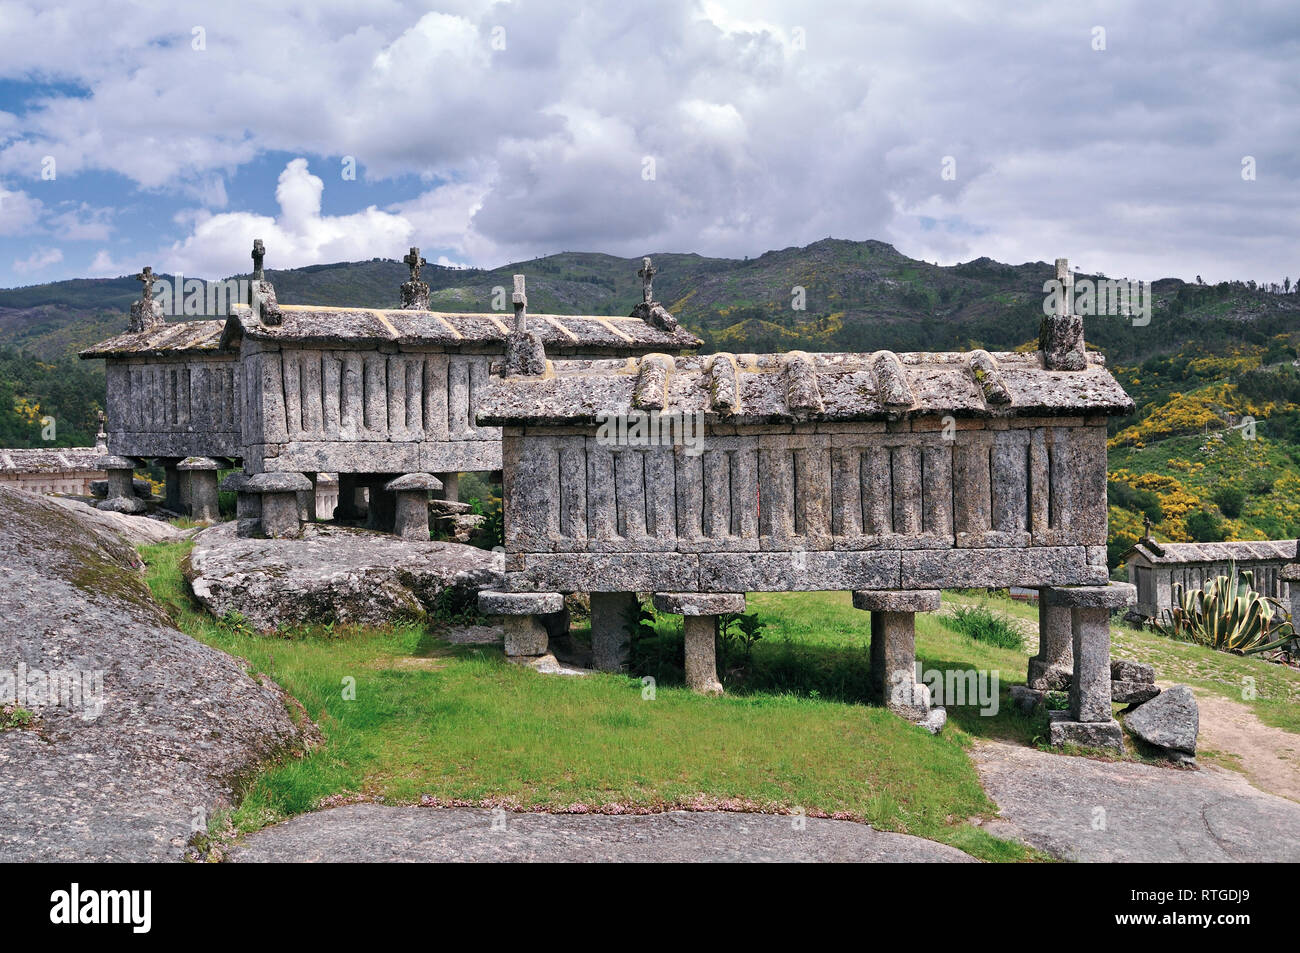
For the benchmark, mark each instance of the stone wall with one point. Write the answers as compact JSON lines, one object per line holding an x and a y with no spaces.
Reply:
{"x":825,"y":506}
{"x":364,"y":411}
{"x":174,"y":406}
{"x":71,"y":482}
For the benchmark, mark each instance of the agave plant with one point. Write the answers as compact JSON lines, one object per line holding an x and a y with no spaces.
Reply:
{"x":1228,"y":615}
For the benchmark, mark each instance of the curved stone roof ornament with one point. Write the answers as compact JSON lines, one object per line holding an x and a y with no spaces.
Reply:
{"x":724,"y":384}
{"x":525,"y":352}
{"x":891,"y":381}
{"x":651,"y":391}
{"x":261,"y":293}
{"x":802,"y":395}
{"x":146,"y":313}
{"x":989,"y":377}
{"x":649,"y":310}
{"x":415,"y":293}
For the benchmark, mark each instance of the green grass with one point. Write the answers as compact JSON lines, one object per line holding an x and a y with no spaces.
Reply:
{"x":442,"y":724}
{"x":436,"y":723}
{"x":983,"y":625}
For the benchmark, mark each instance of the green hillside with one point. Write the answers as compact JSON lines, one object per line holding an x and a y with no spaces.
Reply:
{"x":1210,"y":354}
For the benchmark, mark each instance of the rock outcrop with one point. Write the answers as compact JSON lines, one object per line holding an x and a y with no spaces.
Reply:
{"x":136,"y":530}
{"x":140,"y":732}
{"x":335,"y":574}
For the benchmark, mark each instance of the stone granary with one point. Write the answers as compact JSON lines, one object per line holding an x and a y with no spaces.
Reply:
{"x":173,"y":394}
{"x":892,"y":476}
{"x":1154,"y":568}
{"x":53,"y":470}
{"x":382,"y":397}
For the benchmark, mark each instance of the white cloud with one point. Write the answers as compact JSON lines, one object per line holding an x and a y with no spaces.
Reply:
{"x":300,"y":234}
{"x":18,"y":212}
{"x":771,"y":124}
{"x":82,"y":222}
{"x":39,"y":259}
{"x":103,"y":266}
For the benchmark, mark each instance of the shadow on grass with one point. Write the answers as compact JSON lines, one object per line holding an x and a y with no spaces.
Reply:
{"x":840,"y":674}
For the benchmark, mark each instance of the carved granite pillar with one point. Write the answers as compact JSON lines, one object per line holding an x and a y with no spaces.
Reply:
{"x":201,"y":475}
{"x":307,"y":500}
{"x":121,"y":489}
{"x":1089,"y":722}
{"x":450,"y":487}
{"x":381,"y":512}
{"x":172,"y":483}
{"x":248,"y":505}
{"x":279,"y":502}
{"x":521,"y":614}
{"x":699,"y":612}
{"x":611,"y":638}
{"x":411,"y":507}
{"x":893,"y":647}
{"x":1050,"y":669}
{"x":352,"y":499}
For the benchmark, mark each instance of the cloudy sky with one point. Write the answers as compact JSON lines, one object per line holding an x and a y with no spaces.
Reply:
{"x":1143,"y":140}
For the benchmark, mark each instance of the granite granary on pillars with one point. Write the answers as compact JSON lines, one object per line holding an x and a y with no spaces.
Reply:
{"x":386,"y":398}
{"x":889,"y":475}
{"x":375,"y":396}
{"x":172,"y":398}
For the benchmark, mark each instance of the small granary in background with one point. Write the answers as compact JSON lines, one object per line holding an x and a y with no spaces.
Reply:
{"x":1155,"y":568}
{"x":63,"y":471}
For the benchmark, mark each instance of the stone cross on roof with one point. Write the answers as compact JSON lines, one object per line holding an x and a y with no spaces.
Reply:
{"x":1146,"y":526}
{"x":646,"y":274}
{"x":259,"y":253}
{"x":520,"y":298}
{"x":414,"y":262}
{"x":147,"y":278}
{"x":1065,"y":304}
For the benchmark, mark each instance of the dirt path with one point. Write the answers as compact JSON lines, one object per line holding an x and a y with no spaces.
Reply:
{"x":1269,"y":757}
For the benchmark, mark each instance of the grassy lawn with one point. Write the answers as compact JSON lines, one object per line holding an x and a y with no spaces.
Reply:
{"x":437,"y":723}
{"x":441,"y":724}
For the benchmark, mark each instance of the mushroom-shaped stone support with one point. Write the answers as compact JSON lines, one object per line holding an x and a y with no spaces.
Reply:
{"x":248,"y":505}
{"x":279,"y":495}
{"x":1051,"y":668}
{"x":203,"y":486}
{"x":1089,"y":721}
{"x":412,"y":513}
{"x":121,"y":492}
{"x":893,"y":646}
{"x":521,"y":614}
{"x":699,"y":612}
